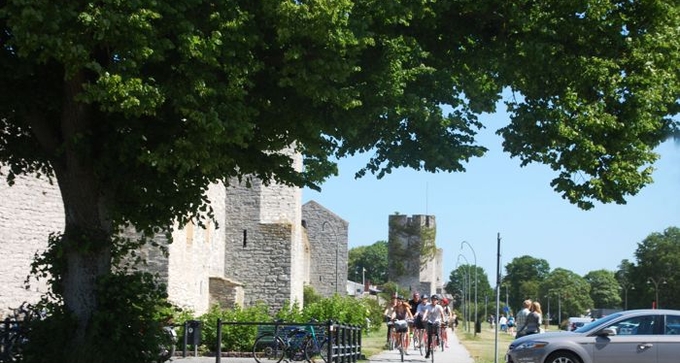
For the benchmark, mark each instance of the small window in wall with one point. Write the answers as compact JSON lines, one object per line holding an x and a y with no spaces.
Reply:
{"x":245,"y":238}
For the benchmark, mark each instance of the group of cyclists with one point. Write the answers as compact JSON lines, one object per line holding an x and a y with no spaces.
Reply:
{"x":422,"y":318}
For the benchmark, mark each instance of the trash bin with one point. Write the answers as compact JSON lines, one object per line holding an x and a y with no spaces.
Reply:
{"x":478,"y":326}
{"x":192,"y":331}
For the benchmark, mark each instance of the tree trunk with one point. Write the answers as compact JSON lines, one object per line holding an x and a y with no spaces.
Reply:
{"x":86,"y":242}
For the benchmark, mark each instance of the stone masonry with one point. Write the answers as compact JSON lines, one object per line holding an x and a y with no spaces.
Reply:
{"x":259,"y":252}
{"x":29,"y":212}
{"x":407,"y":268}
{"x":328,"y":266}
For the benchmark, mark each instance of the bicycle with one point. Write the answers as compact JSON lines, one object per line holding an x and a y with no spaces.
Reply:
{"x":434,"y":342}
{"x":401,"y":336}
{"x":419,"y":339}
{"x":13,"y":332}
{"x":391,"y":342}
{"x":293,"y":342}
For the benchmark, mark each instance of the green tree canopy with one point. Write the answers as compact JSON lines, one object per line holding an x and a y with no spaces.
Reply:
{"x":604,"y":289}
{"x":461,"y":286}
{"x":570,"y":291}
{"x":136,"y":107}
{"x":373,"y":258}
{"x":624,"y":275}
{"x":656,"y":271}
{"x":522,"y":276}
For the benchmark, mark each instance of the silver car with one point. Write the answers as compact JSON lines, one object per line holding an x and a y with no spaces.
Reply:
{"x":633,"y":336}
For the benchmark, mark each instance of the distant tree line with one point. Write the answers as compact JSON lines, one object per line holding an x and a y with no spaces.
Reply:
{"x":647,"y":282}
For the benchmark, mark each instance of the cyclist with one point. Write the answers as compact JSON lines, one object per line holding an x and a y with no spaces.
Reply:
{"x":445,"y":322}
{"x":401,"y":316}
{"x":433,"y":315}
{"x":419,"y":322}
{"x":388,"y":315}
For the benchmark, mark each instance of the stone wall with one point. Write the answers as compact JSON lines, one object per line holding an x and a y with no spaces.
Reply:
{"x":259,"y":251}
{"x":327,"y":235}
{"x":406,"y":266}
{"x":259,"y":245}
{"x":30,"y":210}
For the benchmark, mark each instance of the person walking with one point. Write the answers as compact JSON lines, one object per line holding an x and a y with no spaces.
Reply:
{"x":533,"y":321}
{"x":521,"y":318}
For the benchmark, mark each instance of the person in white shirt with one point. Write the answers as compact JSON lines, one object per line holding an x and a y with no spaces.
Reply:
{"x":433,"y":315}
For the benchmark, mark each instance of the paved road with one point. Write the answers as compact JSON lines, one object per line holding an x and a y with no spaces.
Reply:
{"x":455,"y":353}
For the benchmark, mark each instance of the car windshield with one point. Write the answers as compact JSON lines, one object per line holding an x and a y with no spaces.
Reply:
{"x":597,"y":323}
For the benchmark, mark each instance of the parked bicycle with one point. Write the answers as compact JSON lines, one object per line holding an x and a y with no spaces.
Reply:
{"x":13,"y":332}
{"x":296,"y":343}
{"x":167,"y":347}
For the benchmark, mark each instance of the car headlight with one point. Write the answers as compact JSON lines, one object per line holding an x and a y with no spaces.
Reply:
{"x":532,"y":344}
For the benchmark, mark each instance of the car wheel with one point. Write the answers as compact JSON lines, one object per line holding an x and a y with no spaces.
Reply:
{"x":563,"y":357}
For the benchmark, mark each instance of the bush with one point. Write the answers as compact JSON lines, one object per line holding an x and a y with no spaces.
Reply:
{"x":234,"y":337}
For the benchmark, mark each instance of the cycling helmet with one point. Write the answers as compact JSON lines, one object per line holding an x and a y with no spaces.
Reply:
{"x":435,"y":297}
{"x":425,"y":297}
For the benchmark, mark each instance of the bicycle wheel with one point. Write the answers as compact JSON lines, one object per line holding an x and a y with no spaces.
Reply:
{"x":268,"y":349}
{"x":440,"y":339}
{"x":433,"y":347}
{"x":400,"y":345}
{"x":315,"y":350}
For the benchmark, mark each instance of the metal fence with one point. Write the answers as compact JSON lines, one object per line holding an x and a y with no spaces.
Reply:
{"x":344,"y":340}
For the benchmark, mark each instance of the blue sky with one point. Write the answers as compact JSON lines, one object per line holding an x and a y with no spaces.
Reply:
{"x":495,"y":195}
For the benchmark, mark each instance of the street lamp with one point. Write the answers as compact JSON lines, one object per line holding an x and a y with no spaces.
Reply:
{"x":656,"y":283}
{"x":475,"y":257}
{"x":337,"y":247}
{"x":467,"y":318}
{"x":626,"y":286}
{"x":559,"y":306}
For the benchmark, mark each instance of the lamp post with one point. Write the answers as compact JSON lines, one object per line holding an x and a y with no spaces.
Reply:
{"x":656,"y":282}
{"x":626,"y":286}
{"x":547,"y":324}
{"x":337,"y":248}
{"x":559,"y":306}
{"x":467,"y":318}
{"x":475,"y":257}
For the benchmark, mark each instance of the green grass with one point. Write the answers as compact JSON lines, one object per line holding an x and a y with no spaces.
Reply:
{"x":481,"y":346}
{"x":373,"y":342}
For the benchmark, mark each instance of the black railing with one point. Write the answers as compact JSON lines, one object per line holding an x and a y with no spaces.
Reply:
{"x":344,"y":341}
{"x":12,"y":335}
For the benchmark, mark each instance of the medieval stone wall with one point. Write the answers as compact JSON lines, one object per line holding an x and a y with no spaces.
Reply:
{"x":29,"y":211}
{"x":259,"y":245}
{"x":328,"y":243}
{"x":407,"y":267}
{"x":259,"y":251}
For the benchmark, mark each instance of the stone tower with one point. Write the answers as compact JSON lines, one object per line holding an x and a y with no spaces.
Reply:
{"x":264,"y":244}
{"x":415,"y":262}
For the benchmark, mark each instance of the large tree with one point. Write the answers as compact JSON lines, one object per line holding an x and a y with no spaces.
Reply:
{"x":523,"y":276}
{"x":570,"y":291}
{"x":135,"y":107}
{"x":369,"y":263}
{"x":656,"y":274}
{"x":604,"y":289}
